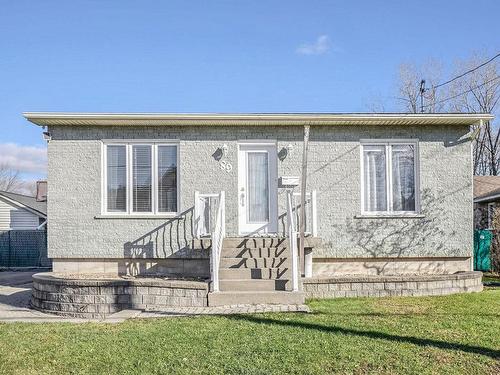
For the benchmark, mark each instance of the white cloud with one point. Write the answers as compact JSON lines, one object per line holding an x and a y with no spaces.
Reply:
{"x":26,"y":159}
{"x":319,"y":47}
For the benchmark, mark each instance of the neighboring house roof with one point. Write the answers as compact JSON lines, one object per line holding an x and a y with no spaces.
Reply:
{"x":264,"y":119}
{"x":486,"y":188}
{"x":27,"y":202}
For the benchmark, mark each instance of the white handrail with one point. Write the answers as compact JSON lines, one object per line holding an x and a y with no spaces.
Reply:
{"x":203,"y":224}
{"x":292,"y":238}
{"x":217,"y":240}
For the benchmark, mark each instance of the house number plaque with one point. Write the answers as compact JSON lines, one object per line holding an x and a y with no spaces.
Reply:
{"x":226,"y":166}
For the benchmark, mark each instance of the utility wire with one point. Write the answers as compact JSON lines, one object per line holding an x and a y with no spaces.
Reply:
{"x":467,"y":72}
{"x":462,"y":93}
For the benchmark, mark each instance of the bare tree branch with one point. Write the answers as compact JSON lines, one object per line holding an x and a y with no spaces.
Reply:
{"x":475,"y":92}
{"x":11,"y":181}
{"x":9,"y":178}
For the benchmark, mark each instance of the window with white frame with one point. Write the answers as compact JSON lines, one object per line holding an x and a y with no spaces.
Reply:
{"x":140,"y":178}
{"x":389,"y":177}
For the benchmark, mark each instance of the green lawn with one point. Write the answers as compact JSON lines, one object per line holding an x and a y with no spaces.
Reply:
{"x":489,"y":277}
{"x":449,"y":335}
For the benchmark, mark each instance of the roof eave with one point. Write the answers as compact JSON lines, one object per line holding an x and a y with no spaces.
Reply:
{"x":22,"y":205}
{"x":117,"y":119}
{"x":487,"y":198}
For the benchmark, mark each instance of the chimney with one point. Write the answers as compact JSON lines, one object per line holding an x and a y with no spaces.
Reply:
{"x":41,"y":191}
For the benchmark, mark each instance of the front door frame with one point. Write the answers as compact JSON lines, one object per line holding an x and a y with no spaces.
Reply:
{"x":270,"y":228}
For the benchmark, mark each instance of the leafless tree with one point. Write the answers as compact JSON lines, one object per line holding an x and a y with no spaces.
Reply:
{"x":475,"y":92}
{"x":479,"y":92}
{"x":409,"y":87}
{"x":29,"y":188}
{"x":10,"y":179}
{"x":375,"y":104}
{"x":410,"y":77}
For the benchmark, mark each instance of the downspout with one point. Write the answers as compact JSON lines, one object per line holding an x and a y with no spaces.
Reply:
{"x":474,"y":135}
{"x":303,"y":199}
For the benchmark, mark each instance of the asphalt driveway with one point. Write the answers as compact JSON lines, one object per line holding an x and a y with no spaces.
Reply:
{"x":8,"y":278}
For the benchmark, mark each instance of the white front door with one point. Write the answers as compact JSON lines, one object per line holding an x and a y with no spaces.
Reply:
{"x":257,"y":188}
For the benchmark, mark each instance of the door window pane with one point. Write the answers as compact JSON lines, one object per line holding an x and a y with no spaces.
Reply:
{"x":258,"y":187}
{"x":375,"y":189}
{"x":403,"y":177}
{"x":116,"y":157}
{"x":167,"y":178}
{"x":141,"y":178}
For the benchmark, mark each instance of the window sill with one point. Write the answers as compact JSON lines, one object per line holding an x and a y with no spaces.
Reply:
{"x":390,"y":216}
{"x":135,"y":216}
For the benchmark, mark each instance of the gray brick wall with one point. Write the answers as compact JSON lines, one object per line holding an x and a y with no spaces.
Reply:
{"x":74,"y":173}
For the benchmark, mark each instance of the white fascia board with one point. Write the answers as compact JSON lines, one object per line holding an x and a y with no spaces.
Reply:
{"x":207,"y":119}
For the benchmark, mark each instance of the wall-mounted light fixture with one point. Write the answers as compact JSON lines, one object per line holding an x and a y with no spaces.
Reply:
{"x":220,"y":152}
{"x":47,"y":136}
{"x":285,"y":151}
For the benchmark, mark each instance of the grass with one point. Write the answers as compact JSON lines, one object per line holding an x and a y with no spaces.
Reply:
{"x":428,"y":335}
{"x":491,"y":277}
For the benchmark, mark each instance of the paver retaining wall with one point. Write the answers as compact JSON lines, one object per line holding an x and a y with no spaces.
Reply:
{"x":385,"y":286}
{"x":96,"y":298}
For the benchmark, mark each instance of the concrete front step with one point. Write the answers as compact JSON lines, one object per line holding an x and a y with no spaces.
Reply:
{"x":253,"y":285}
{"x":254,"y":242}
{"x":255,"y":298}
{"x":261,"y":252}
{"x":254,"y":263}
{"x":254,"y":273}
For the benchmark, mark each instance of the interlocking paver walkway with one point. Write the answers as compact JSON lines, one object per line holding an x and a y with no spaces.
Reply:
{"x":223,"y":310}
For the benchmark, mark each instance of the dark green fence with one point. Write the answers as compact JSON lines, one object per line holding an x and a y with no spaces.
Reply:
{"x":24,"y":248}
{"x":482,"y":250}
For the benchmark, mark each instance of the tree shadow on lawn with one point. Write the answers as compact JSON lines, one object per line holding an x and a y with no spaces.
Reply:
{"x":488,"y":352}
{"x":408,"y":314}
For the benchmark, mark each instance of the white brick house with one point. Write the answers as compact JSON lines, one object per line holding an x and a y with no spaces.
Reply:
{"x":386,"y":194}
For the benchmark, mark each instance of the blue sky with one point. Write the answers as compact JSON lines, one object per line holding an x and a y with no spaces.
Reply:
{"x":218,"y":56}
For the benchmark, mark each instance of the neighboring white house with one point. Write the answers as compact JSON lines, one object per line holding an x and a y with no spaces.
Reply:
{"x":486,"y":200}
{"x":21,"y":212}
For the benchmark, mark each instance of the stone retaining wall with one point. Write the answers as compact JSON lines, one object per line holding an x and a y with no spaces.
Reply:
{"x":97,"y":298}
{"x":385,"y":286}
